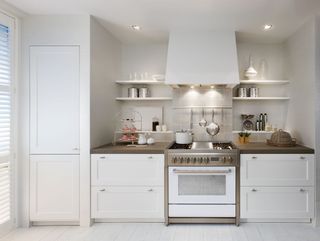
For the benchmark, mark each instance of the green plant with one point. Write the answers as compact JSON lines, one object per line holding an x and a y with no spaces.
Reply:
{"x":244,"y":134}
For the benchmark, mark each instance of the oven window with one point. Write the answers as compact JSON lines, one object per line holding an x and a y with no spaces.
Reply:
{"x":201,"y":185}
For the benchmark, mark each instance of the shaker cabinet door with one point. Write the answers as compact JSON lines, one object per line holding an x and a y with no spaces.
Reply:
{"x":140,"y":202}
{"x":54,"y":100}
{"x":54,"y":188}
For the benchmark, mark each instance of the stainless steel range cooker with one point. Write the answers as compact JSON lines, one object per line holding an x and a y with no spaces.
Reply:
{"x":202,"y":183}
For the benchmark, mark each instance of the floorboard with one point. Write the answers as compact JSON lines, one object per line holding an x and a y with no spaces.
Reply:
{"x":175,"y":232}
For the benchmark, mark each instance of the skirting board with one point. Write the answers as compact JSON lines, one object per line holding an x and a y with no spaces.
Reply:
{"x":54,"y":223}
{"x":275,"y":220}
{"x":128,"y":220}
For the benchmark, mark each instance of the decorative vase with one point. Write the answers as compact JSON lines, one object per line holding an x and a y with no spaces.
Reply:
{"x":241,"y":139}
{"x":250,"y":73}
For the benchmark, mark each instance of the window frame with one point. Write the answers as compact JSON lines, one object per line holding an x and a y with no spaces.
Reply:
{"x":12,"y":22}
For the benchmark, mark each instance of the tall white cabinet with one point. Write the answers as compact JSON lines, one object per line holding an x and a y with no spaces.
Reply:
{"x":54,"y":100}
{"x":54,"y":133}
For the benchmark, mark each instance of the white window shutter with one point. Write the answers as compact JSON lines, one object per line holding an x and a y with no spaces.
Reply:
{"x":5,"y":124}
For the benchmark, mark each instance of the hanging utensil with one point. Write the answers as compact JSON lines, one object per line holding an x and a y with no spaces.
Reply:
{"x":203,"y":121}
{"x":213,"y":128}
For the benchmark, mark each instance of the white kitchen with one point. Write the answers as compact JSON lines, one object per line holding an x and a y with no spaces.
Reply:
{"x":159,"y":120}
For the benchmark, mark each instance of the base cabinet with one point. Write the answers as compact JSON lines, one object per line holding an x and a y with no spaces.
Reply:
{"x":127,"y":202}
{"x":127,"y":187}
{"x":277,"y":202}
{"x":277,"y":187}
{"x":54,"y":188}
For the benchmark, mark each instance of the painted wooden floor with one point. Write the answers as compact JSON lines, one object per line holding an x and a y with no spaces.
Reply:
{"x":159,"y":232}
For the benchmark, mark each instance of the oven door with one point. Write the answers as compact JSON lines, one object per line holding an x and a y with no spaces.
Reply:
{"x":202,"y":185}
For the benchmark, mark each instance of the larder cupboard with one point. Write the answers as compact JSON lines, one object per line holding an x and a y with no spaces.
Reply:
{"x":54,"y":133}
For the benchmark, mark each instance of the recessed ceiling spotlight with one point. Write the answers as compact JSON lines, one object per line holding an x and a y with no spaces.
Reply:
{"x":135,"y":27}
{"x":267,"y":27}
{"x":192,"y":87}
{"x":212,"y":86}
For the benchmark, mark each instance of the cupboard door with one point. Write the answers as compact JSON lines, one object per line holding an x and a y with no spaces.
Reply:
{"x":54,"y":188}
{"x":277,"y":202}
{"x":277,"y":170}
{"x":54,"y":100}
{"x":127,"y":169}
{"x":127,"y":202}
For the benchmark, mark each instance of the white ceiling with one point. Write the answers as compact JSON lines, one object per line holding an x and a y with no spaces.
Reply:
{"x":157,"y":17}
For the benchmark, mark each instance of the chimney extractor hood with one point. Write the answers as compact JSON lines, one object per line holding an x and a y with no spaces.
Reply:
{"x":202,"y":58}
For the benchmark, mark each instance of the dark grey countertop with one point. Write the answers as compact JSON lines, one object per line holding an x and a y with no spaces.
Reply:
{"x":160,"y":147}
{"x":157,"y":148}
{"x":263,"y":148}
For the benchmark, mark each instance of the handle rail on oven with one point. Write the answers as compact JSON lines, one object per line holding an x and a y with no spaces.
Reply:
{"x":202,"y":171}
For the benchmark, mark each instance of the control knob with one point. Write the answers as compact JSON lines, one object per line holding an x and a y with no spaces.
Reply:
{"x":174,"y":160}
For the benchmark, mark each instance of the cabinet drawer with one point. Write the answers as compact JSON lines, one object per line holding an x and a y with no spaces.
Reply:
{"x":54,"y":188}
{"x":127,"y":169}
{"x":277,"y":202}
{"x":127,"y":202}
{"x":277,"y":170}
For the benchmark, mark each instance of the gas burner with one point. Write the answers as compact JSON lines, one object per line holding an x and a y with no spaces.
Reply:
{"x":203,"y":146}
{"x":180,"y":146}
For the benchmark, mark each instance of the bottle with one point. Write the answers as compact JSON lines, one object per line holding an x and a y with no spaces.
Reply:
{"x":262,"y":124}
{"x":155,"y":123}
{"x":257,"y":125}
{"x":265,"y":120}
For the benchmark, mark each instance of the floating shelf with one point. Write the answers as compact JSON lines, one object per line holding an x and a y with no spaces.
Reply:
{"x":254,"y":132}
{"x":143,"y":99}
{"x":140,"y":82}
{"x":265,"y":82}
{"x":137,"y":132}
{"x":261,"y":98}
{"x":202,"y":107}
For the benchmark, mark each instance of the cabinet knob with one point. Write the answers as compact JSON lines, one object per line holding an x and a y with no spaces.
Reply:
{"x":150,"y":157}
{"x":302,"y":158}
{"x":254,"y":157}
{"x":254,"y":190}
{"x":75,"y":149}
{"x":150,"y":190}
{"x":102,"y":190}
{"x":302,"y":190}
{"x":102,"y":157}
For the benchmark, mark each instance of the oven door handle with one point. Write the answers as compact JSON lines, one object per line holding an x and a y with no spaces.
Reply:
{"x":202,"y":171}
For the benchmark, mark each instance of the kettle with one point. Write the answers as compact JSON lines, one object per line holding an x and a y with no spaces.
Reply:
{"x":142,"y":139}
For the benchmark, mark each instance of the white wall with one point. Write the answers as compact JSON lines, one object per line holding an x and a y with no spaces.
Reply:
{"x":272,"y":54}
{"x":304,"y":110}
{"x":317,"y":113}
{"x":105,"y":69}
{"x":55,"y":30}
{"x":300,"y":49}
{"x":274,"y":58}
{"x":151,"y":59}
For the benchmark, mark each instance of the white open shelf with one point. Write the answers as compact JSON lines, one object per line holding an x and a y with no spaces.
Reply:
{"x":140,"y":82}
{"x":261,"y":98}
{"x":264,"y":82}
{"x":143,"y":99}
{"x":254,"y":132}
{"x":153,"y":132}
